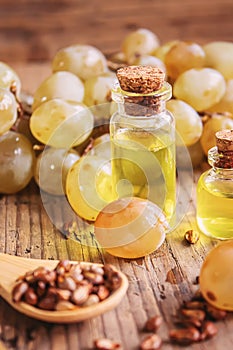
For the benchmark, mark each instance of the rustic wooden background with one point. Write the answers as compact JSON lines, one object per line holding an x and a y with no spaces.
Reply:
{"x":33,"y":30}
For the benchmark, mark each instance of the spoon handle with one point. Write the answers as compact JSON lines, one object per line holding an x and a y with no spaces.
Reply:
{"x":14,"y":266}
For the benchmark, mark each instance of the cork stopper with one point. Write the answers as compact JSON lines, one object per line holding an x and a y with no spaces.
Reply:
{"x":224,"y":143}
{"x":224,"y":140}
{"x":140,"y":79}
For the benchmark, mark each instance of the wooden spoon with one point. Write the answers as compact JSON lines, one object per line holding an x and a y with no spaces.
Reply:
{"x":12,"y":267}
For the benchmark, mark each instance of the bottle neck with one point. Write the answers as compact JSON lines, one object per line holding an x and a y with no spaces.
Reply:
{"x":141,"y":105}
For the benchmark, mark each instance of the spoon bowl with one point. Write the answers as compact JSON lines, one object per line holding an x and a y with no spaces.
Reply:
{"x":12,"y":267}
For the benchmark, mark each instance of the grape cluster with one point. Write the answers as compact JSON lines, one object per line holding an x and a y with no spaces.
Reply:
{"x":16,"y":152}
{"x":202,"y":79}
{"x":82,"y":76}
{"x":59,"y":122}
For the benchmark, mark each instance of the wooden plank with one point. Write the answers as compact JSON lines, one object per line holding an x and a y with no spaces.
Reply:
{"x":34,"y":31}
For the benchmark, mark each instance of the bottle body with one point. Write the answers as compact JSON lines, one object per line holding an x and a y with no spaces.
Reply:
{"x":143,"y":156}
{"x":215,"y":201}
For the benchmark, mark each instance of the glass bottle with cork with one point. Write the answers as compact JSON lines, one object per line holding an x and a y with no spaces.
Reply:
{"x":143,"y":138}
{"x":215,"y":190}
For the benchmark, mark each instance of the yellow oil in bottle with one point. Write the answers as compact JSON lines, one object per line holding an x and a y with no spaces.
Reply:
{"x":215,"y":207}
{"x":143,"y":165}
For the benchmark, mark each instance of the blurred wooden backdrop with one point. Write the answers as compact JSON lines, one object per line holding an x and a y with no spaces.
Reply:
{"x":33,"y":30}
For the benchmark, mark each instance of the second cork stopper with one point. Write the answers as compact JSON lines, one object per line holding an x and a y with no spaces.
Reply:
{"x":140,"y":79}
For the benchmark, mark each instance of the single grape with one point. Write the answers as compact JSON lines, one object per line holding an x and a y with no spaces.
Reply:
{"x":161,"y":51}
{"x":149,"y":60}
{"x":98,"y":89}
{"x":85,"y":61}
{"x":139,"y":42}
{"x":61,"y":124}
{"x":16,"y":162}
{"x":89,"y":181}
{"x":187,"y":120}
{"x":8,"y":110}
{"x":98,"y":94}
{"x":215,"y":123}
{"x":9,"y":78}
{"x":216,"y":276}
{"x":51,"y":168}
{"x":201,"y":88}
{"x":64,"y":85}
{"x":89,"y":186}
{"x":219,"y":56}
{"x":226,"y":103}
{"x":183,"y":56}
{"x":130,"y":227}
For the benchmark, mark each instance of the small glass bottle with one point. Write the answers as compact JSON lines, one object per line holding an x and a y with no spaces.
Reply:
{"x":215,"y":190}
{"x":143,"y":138}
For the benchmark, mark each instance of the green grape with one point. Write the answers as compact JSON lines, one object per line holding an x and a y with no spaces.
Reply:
{"x":216,"y":276}
{"x":183,"y":56}
{"x":219,"y":56}
{"x":139,"y":42}
{"x":149,"y":60}
{"x":8,"y":110}
{"x":51,"y":168}
{"x":98,"y":93}
{"x":131,"y":227}
{"x":98,"y":89}
{"x":61,"y":124}
{"x":215,"y":123}
{"x":161,"y":51}
{"x":64,"y":85}
{"x":201,"y":88}
{"x":9,"y":78}
{"x":89,"y":185}
{"x":226,"y":103}
{"x":187,"y":120}
{"x":89,"y":181}
{"x":16,"y":162}
{"x":85,"y":61}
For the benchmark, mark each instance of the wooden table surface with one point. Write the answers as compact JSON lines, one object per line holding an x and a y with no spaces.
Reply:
{"x":35,"y":30}
{"x":30,"y":34}
{"x":158,"y":284}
